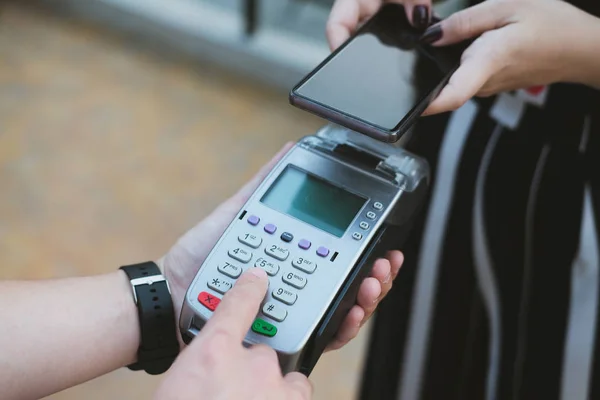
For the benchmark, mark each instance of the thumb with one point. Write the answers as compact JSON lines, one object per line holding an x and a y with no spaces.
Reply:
{"x":231,"y":320}
{"x":464,"y":84}
{"x":469,"y":23}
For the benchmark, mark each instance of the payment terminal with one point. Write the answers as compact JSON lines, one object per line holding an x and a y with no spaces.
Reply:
{"x":334,"y":203}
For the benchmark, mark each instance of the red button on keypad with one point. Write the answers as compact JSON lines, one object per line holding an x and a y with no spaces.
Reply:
{"x":208,"y":300}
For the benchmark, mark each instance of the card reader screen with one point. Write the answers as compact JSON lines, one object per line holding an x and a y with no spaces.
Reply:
{"x":313,"y":200}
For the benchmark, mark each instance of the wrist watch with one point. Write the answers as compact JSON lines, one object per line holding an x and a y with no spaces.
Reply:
{"x":158,"y":342}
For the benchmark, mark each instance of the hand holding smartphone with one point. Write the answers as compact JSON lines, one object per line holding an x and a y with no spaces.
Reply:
{"x":381,"y":79}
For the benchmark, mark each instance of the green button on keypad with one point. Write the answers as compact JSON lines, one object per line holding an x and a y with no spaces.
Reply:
{"x":264,"y":328}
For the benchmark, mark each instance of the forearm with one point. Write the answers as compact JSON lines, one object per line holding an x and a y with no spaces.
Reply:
{"x":584,"y":60}
{"x":59,"y":333}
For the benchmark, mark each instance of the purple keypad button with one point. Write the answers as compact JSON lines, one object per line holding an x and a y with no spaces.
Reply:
{"x":253,"y":220}
{"x":304,"y":244}
{"x":270,"y":228}
{"x":322,"y":251}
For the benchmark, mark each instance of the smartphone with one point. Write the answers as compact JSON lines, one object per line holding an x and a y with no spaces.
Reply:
{"x":381,"y":79}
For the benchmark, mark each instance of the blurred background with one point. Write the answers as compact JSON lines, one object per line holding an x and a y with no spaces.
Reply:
{"x":124,"y":122}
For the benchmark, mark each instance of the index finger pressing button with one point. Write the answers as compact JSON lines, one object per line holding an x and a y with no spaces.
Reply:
{"x":238,"y":307}
{"x":269,"y":267}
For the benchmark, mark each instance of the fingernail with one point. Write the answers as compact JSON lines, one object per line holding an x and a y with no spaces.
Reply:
{"x":420,"y":17}
{"x":432,"y":34}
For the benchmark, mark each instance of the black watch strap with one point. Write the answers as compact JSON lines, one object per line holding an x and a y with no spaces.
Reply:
{"x":158,"y":345}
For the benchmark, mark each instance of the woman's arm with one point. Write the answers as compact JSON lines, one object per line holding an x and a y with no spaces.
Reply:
{"x":58,"y":333}
{"x":518,"y":44}
{"x":586,"y":55}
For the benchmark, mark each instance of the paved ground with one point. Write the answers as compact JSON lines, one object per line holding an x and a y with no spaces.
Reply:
{"x":108,"y":151}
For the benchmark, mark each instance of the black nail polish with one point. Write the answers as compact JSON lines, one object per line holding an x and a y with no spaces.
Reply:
{"x":420,"y":17}
{"x":432,"y":34}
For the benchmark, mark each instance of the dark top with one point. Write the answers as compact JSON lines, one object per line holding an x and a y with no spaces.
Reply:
{"x":512,"y":261}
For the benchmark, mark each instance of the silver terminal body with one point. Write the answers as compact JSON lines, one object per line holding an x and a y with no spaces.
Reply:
{"x":307,"y":262}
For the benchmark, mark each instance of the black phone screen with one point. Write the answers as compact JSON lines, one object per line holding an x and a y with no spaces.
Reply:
{"x":381,"y":73}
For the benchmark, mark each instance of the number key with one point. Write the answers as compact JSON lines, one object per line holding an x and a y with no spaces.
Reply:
{"x":240,"y":254}
{"x":305,"y":265}
{"x":250,"y":240}
{"x":232,"y":271}
{"x":285,"y":295}
{"x":295,"y":280}
{"x":269,"y":267}
{"x":278,"y":252}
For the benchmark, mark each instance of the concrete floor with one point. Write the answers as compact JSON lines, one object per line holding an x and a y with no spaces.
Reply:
{"x":109,"y":151}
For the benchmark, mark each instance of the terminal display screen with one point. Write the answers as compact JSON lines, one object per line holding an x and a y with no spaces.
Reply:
{"x":313,"y":200}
